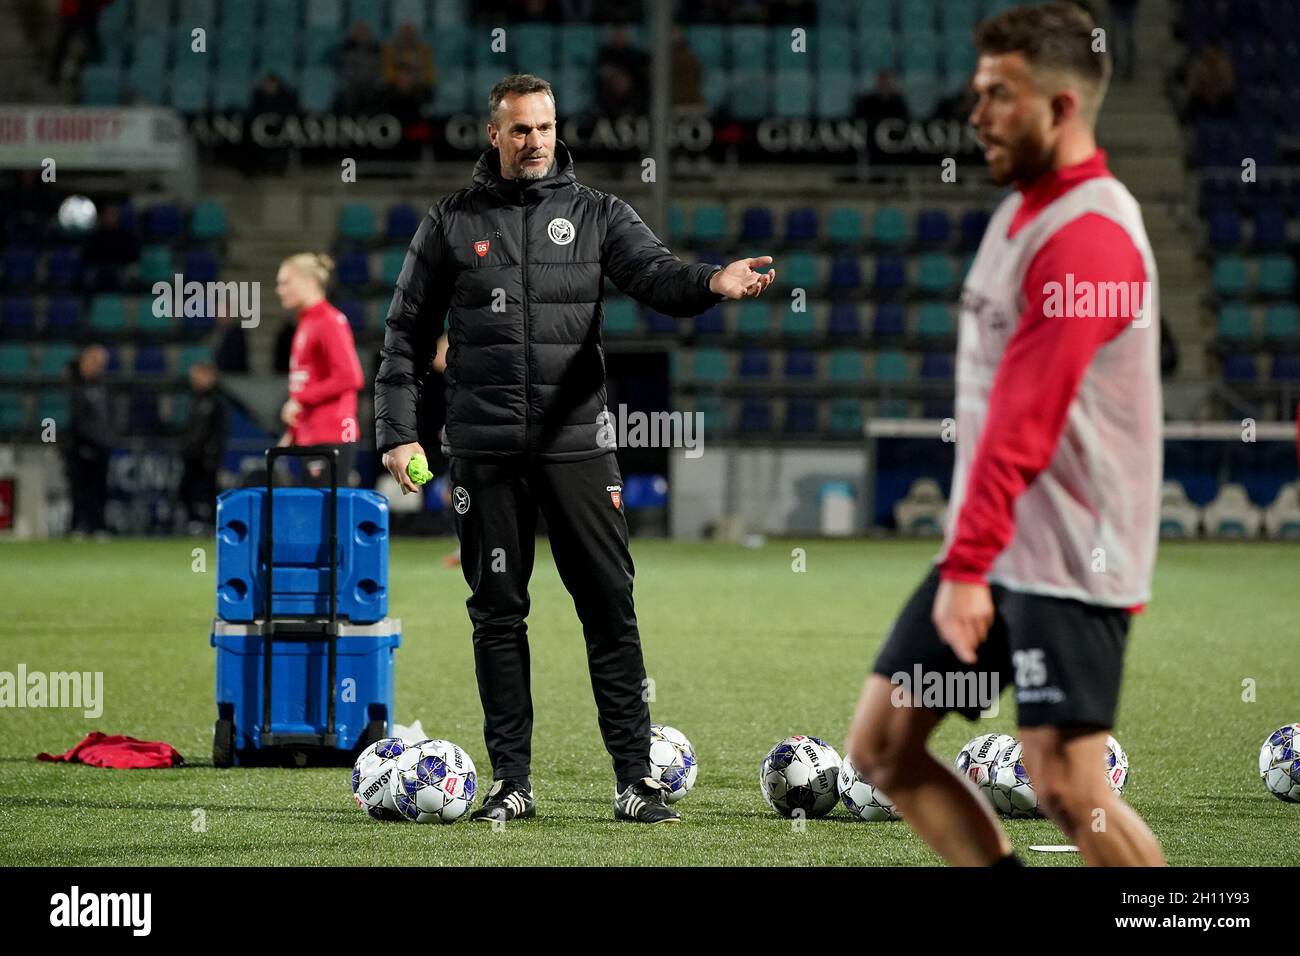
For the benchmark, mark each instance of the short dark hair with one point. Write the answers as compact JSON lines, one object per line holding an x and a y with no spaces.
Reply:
{"x":1057,"y":36}
{"x":518,"y":84}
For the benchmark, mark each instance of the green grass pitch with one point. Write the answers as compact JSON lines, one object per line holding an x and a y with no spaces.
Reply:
{"x":743,"y":651}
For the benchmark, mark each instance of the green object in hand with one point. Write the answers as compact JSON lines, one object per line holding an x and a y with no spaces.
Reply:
{"x":417,"y":469}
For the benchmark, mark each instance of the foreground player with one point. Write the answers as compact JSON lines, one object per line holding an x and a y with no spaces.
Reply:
{"x":516,"y":263}
{"x":1051,"y":531}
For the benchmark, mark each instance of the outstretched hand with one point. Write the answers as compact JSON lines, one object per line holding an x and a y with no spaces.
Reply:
{"x":738,"y":280}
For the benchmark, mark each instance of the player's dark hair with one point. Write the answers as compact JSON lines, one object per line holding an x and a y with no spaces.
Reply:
{"x":1056,"y":36}
{"x":519,"y":84}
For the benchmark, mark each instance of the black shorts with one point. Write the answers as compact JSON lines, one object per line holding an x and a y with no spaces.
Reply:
{"x":1065,"y":657}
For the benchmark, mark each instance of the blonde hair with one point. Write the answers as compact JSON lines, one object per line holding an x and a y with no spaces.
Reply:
{"x":315,"y":265}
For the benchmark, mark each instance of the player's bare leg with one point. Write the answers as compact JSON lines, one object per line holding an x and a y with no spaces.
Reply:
{"x":1065,"y":767}
{"x":887,"y":744}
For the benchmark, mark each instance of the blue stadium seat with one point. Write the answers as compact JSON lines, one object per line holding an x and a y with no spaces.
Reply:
{"x":755,"y":416}
{"x":933,"y":227}
{"x":800,"y":364}
{"x":973,"y":224}
{"x":801,"y":417}
{"x":937,"y":365}
{"x":657,"y":323}
{"x":1224,"y":226}
{"x":843,"y":322}
{"x":402,"y":222}
{"x":18,"y":314}
{"x":801,"y":224}
{"x":162,"y":222}
{"x":355,"y":310}
{"x":710,"y":322}
{"x":1239,"y":367}
{"x":756,"y":224}
{"x":63,"y":314}
{"x":353,"y":268}
{"x":19,"y":266}
{"x":63,"y":268}
{"x":845,"y":273}
{"x":200,"y":265}
{"x":1270,"y":228}
{"x":1286,"y":367}
{"x":142,"y":415}
{"x":888,"y":322}
{"x":755,"y":363}
{"x":891,"y":274}
{"x":150,"y":360}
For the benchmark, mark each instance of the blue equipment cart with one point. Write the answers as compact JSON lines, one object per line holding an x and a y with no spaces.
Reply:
{"x":282,"y":696}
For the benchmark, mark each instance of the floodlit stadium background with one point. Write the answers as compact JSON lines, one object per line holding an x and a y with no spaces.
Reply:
{"x":828,"y":134}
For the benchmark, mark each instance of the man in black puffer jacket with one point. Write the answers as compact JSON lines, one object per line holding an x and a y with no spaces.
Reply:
{"x":516,"y":263}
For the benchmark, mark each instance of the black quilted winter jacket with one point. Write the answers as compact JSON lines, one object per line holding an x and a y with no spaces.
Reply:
{"x":516,"y":266}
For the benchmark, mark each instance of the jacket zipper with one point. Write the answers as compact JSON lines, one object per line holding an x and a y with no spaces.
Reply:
{"x":523,"y":261}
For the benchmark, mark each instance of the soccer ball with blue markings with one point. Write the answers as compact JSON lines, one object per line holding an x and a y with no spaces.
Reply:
{"x":672,"y":761}
{"x":1279,"y":763}
{"x":800,"y":775}
{"x":372,"y":777}
{"x":1116,"y":766}
{"x":977,"y":759}
{"x":861,"y":799}
{"x":1009,"y":787}
{"x":433,"y":782}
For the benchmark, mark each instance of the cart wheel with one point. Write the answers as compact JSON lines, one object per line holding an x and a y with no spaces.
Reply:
{"x":223,"y":743}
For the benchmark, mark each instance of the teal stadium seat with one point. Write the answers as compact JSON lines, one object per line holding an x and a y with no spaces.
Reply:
{"x":579,"y":44}
{"x":325,"y":13}
{"x":55,"y":406}
{"x":107,"y":313}
{"x":451,"y":49}
{"x":1229,"y":276}
{"x":877,"y":50}
{"x":708,"y":224}
{"x":278,"y":53}
{"x":802,"y":270}
{"x":15,"y":360}
{"x":192,"y":355}
{"x":317,"y":89}
{"x":575,"y":89}
{"x":713,"y":413}
{"x":156,"y":264}
{"x":833,"y":46}
{"x":934,"y":275}
{"x":844,"y":226}
{"x":452,"y":93}
{"x":709,"y":44}
{"x":1235,"y":324}
{"x":889,"y":227}
{"x":13,"y":413}
{"x":1282,"y":322}
{"x":208,"y":221}
{"x":146,"y":321}
{"x":676,"y":223}
{"x":917,"y":16}
{"x":282,"y":17}
{"x":794,"y":94}
{"x":748,"y":48}
{"x":101,"y":85}
{"x":1276,"y":276}
{"x":238,"y":15}
{"x":846,"y":417}
{"x":356,"y":222}
{"x":891,"y":366}
{"x":189,"y":93}
{"x":533,"y":48}
{"x":750,"y":94}
{"x":148,"y":66}
{"x":410,"y":11}
{"x":709,"y":366}
{"x":197,"y":13}
{"x":754,"y":320}
{"x":232,"y":91}
{"x":783,"y":54}
{"x":934,"y":320}
{"x":845,"y":367}
{"x":798,"y":325}
{"x":151,"y":14}
{"x":321,"y":46}
{"x":835,"y":89}
{"x":390,"y":265}
{"x":55,"y":357}
{"x":621,"y":316}
{"x":874,"y":15}
{"x":922,"y":92}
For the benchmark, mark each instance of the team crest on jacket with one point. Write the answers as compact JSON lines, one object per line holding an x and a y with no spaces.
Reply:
{"x":615,"y":494}
{"x":460,"y":500}
{"x":560,"y":231}
{"x":481,"y":247}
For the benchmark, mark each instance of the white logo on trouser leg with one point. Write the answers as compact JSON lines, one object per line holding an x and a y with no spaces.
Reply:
{"x":460,"y":500}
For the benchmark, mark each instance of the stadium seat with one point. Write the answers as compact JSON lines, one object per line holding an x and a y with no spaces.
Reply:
{"x":1179,"y":517}
{"x":834,"y":90}
{"x":1286,"y":367}
{"x":844,"y":367}
{"x":63,"y":268}
{"x":192,"y":355}
{"x":353,"y":268}
{"x":708,"y":224}
{"x":1269,"y":228}
{"x":934,"y":321}
{"x":355,"y":310}
{"x":147,"y":321}
{"x":801,"y":417}
{"x":800,"y":270}
{"x":843,"y":322}
{"x":55,"y":358}
{"x":401,"y":222}
{"x":1282,"y":322}
{"x":452,"y":94}
{"x":533,"y":48}
{"x":202,"y":321}
{"x":748,"y":48}
{"x":919,"y":58}
{"x":793,"y":95}
{"x":107,"y":313}
{"x":933,"y":227}
{"x":877,"y":50}
{"x":579,"y":44}
{"x":370,"y":12}
{"x":54,"y":406}
{"x":707,"y":41}
{"x":891,"y":274}
{"x":888,"y":321}
{"x":317,"y":89}
{"x":755,"y":363}
{"x":1276,"y":276}
{"x":189,"y":93}
{"x":18,"y":314}
{"x":620,"y":316}
{"x":150,"y":360}
{"x":657,"y":323}
{"x":356,"y":222}
{"x":101,"y":84}
{"x":1224,"y":227}
{"x":63,"y":314}
{"x":321,"y":46}
{"x":801,"y":224}
{"x":208,"y":221}
{"x":800,"y":365}
{"x":325,"y":13}
{"x":15,"y":360}
{"x":844,"y":226}
{"x":709,"y":365}
{"x":161,"y":222}
{"x":750,"y":94}
{"x":1282,"y":517}
{"x":13,"y":411}
{"x":934,"y":274}
{"x":846,"y":418}
{"x":1231,"y":514}
{"x":1229,"y":276}
{"x":756,"y":224}
{"x":390,"y":265}
{"x":710,"y":322}
{"x":893,"y":408}
{"x":889,"y":227}
{"x":973,"y":224}
{"x":891,"y":366}
{"x":1240,"y":367}
{"x":845,"y":273}
{"x":409,"y":11}
{"x":798,"y":324}
{"x":921,"y":512}
{"x":200,"y":266}
{"x":938,"y":365}
{"x":232,"y":92}
{"x":754,"y":319}
{"x":156,"y":265}
{"x":18,"y":266}
{"x":1235,"y":323}
{"x":755,"y":416}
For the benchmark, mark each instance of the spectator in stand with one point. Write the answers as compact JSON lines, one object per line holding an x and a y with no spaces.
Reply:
{"x":687,"y":73}
{"x":90,"y":443}
{"x":1211,"y":87}
{"x":533,"y":11}
{"x":324,"y":372}
{"x":622,"y":74}
{"x":109,"y":251}
{"x":76,"y":18}
{"x":229,"y":344}
{"x":406,"y":55}
{"x":884,"y":102}
{"x":201,"y":448}
{"x":271,"y":96}
{"x":29,"y":207}
{"x":404,"y":99}
{"x":359,"y":70}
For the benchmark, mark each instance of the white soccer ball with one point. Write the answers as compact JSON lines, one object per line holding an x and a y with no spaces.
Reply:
{"x":975,"y":761}
{"x":861,"y":799}
{"x":434,"y":782}
{"x":1009,"y":787}
{"x":1116,"y":766}
{"x":672,"y":761}
{"x":1279,"y":763}
{"x":77,"y":214}
{"x":372,"y":778}
{"x":800,"y":775}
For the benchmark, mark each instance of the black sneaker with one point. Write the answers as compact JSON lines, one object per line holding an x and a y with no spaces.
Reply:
{"x":507,"y":800}
{"x":644,"y":802}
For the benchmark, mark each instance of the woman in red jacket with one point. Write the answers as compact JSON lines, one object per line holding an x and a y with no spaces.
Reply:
{"x":324,"y":372}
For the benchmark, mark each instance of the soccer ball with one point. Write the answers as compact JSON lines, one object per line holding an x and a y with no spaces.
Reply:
{"x":1116,"y":766}
{"x":976,"y":760}
{"x":77,"y":214}
{"x":1009,"y":787}
{"x":799,"y":775}
{"x":372,"y":777}
{"x":672,"y":761}
{"x":1279,"y":763}
{"x":861,"y":799}
{"x":433,"y":782}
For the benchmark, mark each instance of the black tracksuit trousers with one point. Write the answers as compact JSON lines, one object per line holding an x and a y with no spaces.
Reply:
{"x":495,"y":503}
